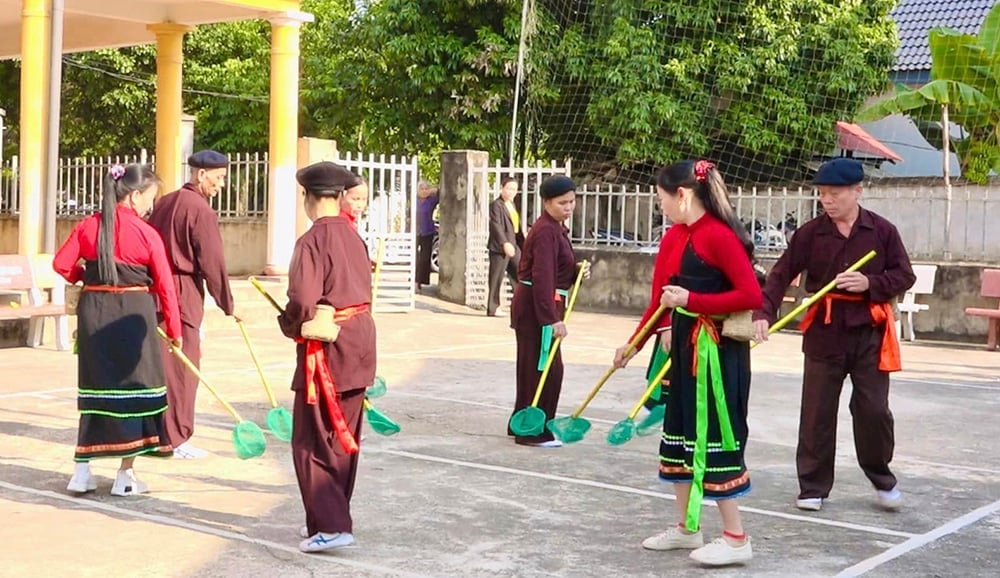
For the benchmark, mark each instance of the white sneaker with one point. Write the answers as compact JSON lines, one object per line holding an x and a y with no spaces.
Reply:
{"x":548,"y":444}
{"x":809,"y":504}
{"x":721,"y":553}
{"x":126,"y":484}
{"x":82,"y":482}
{"x":674,"y":539}
{"x":186,"y":451}
{"x":320,"y":542}
{"x":890,"y":499}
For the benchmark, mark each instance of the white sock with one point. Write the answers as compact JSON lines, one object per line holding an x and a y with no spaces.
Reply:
{"x":82,"y":469}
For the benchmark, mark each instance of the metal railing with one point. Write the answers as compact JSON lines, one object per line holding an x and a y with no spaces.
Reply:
{"x":628,"y":218}
{"x":80,"y":181}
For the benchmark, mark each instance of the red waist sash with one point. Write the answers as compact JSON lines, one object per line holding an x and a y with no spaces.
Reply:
{"x":889,"y":358}
{"x":318,"y":376}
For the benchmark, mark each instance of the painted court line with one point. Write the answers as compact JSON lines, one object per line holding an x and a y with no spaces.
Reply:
{"x":634,"y":491}
{"x":203,"y":529}
{"x":755,"y":439}
{"x":921,"y":540}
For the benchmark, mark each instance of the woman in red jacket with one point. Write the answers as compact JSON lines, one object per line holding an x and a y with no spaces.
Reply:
{"x":122,"y":395}
{"x":705,"y":428}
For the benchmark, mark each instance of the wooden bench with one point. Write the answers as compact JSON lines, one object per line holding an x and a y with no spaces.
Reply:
{"x":924,"y":285}
{"x":989,"y":286}
{"x":22,"y":275}
{"x":793,"y":287}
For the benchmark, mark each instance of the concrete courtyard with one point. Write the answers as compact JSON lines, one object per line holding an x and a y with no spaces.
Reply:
{"x":451,"y":495}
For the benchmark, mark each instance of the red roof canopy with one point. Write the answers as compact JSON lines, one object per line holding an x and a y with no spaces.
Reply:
{"x":855,"y":138}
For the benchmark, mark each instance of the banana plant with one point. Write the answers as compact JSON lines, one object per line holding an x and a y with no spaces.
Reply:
{"x":964,"y":89}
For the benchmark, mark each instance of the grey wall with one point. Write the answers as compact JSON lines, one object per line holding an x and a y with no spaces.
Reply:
{"x":620,"y":282}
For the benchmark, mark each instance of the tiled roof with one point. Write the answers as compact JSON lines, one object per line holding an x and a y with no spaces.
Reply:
{"x":915,"y":18}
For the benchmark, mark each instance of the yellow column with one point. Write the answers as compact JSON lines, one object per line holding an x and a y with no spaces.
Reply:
{"x":34,"y":71}
{"x":282,"y":150}
{"x":169,"y":102}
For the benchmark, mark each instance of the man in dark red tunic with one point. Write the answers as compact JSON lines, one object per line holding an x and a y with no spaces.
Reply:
{"x":190,"y":231}
{"x":850,"y":332}
{"x":329,"y":268}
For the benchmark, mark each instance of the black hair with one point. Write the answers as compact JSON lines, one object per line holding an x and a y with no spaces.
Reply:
{"x":507,"y":179}
{"x":711,"y":191}
{"x":118,"y":184}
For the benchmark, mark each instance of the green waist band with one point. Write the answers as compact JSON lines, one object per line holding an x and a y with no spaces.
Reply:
{"x":563,"y":292}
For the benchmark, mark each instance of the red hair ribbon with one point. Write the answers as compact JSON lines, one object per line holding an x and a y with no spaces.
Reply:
{"x":701,"y":170}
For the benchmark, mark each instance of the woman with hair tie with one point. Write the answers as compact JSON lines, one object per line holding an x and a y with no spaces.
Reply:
{"x":122,"y":396}
{"x":705,"y":428}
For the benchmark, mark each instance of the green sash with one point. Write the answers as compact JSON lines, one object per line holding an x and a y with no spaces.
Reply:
{"x":543,"y":355}
{"x":707,"y":350}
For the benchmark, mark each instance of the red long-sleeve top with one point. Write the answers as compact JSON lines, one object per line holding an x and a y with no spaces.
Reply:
{"x":668,"y":264}
{"x":718,"y":246}
{"x":136,"y":243}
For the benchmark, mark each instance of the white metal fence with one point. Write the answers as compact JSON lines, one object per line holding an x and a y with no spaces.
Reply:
{"x":484,"y":187}
{"x":390,"y":217}
{"x":629,"y":218}
{"x":80,"y":181}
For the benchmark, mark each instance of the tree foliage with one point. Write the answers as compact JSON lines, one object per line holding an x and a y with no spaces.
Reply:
{"x":965,"y":76}
{"x":413,"y":76}
{"x":754,"y":84}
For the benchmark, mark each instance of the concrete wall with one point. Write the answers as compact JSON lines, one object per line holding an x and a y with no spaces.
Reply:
{"x":620,"y":282}
{"x":245,"y":242}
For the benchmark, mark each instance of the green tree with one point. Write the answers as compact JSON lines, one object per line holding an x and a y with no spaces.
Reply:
{"x":109,"y":98}
{"x":965,"y":85}
{"x":410,"y":76}
{"x":754,"y":84}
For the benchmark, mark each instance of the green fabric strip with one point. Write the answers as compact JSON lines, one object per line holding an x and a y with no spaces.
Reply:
{"x":123,"y":392}
{"x":543,"y":355}
{"x":563,"y":292}
{"x":123,"y":415}
{"x":659,"y":359}
{"x":708,"y":358}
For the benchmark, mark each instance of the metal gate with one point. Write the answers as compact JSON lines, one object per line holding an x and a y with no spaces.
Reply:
{"x":392,"y":217}
{"x":484,"y":187}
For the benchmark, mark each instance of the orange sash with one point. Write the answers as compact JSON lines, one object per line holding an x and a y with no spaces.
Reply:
{"x":317,"y":370}
{"x":889,"y":358}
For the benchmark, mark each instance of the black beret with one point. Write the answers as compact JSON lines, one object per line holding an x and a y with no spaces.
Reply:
{"x":326,"y":178}
{"x":555,"y":186}
{"x":208,"y":159}
{"x":840,"y":172}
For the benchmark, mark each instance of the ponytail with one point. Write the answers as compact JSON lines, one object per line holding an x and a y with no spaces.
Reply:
{"x":706,"y":181}
{"x":118,"y":184}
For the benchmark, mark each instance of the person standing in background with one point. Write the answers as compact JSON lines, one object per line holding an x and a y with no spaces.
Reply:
{"x":505,"y":253}
{"x":427,"y":200}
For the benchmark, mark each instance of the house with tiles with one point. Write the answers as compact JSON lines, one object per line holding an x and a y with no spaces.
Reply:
{"x":914,"y":20}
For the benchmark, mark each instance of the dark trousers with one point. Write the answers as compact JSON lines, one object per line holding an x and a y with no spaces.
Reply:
{"x":500,"y":264}
{"x":326,"y":473}
{"x":872,"y":419}
{"x":425,"y":243}
{"x":529,"y":344}
{"x":182,"y":387}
